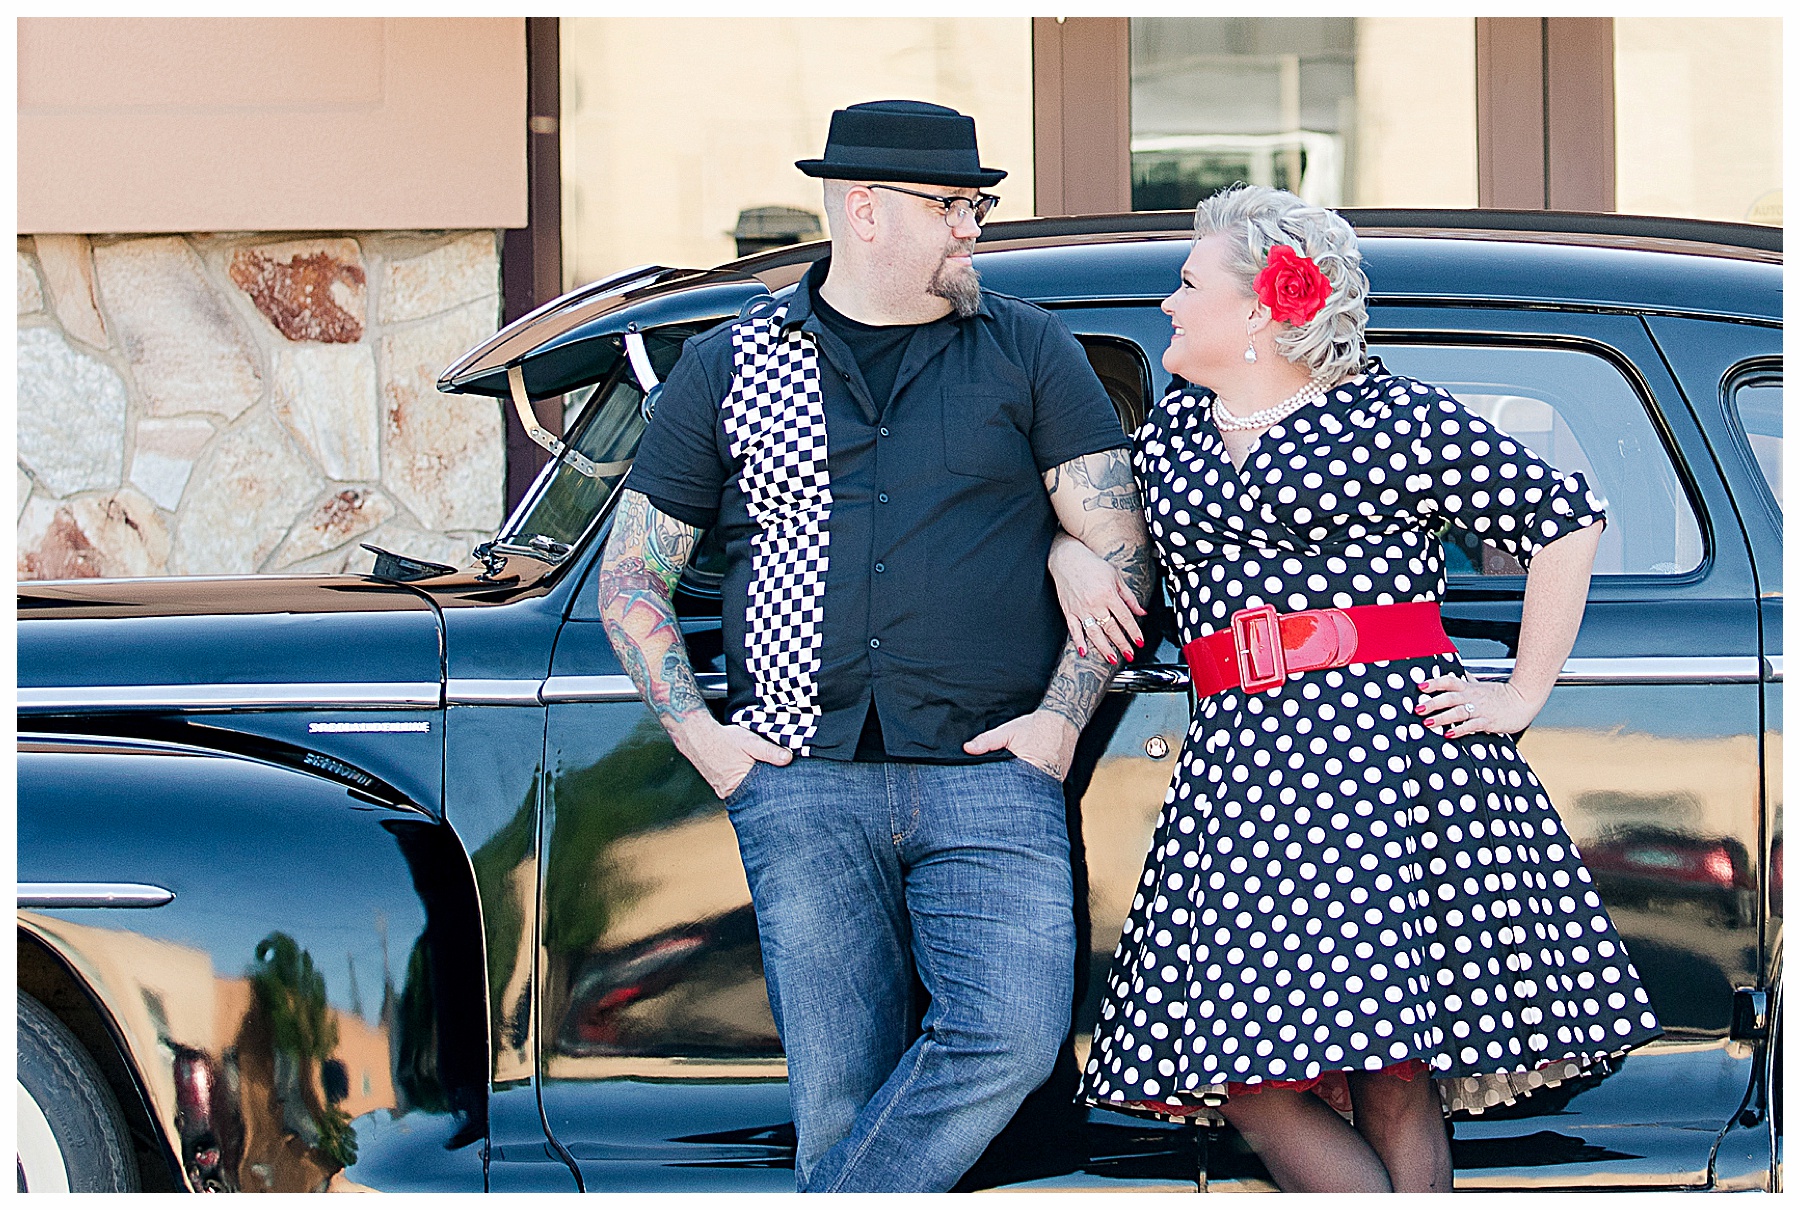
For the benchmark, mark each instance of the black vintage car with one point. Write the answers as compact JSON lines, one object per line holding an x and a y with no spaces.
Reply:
{"x":389,"y":881}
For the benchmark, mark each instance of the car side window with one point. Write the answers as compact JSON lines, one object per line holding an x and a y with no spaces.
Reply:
{"x":604,"y":422}
{"x":1754,"y":396}
{"x":1579,"y":412}
{"x":1122,"y":370}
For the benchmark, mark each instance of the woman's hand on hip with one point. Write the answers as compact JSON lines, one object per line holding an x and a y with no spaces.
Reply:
{"x":1461,"y":706}
{"x":1097,"y":604}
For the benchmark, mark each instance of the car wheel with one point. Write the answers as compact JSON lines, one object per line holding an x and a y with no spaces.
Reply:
{"x":71,"y":1135}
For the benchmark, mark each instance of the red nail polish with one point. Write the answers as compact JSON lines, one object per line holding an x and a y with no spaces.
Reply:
{"x":1140,"y":642}
{"x":1081,"y":651}
{"x":1110,"y":660}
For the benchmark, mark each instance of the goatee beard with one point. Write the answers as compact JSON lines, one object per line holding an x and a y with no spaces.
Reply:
{"x":962,"y":290}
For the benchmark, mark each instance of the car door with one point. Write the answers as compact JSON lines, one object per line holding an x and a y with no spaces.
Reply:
{"x":1731,"y":373}
{"x":660,"y":1064}
{"x":1651,"y":745}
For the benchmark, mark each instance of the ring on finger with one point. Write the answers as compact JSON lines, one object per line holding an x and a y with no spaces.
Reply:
{"x":1090,"y":621}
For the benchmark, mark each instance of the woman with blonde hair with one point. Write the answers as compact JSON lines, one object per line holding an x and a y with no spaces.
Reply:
{"x":1357,"y":893}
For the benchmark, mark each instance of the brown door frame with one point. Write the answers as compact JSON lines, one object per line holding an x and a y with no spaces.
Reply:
{"x":531,"y":256}
{"x":1544,"y":132}
{"x":1081,"y":114}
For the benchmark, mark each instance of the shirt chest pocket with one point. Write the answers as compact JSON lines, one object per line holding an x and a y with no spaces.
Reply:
{"x":985,"y":433}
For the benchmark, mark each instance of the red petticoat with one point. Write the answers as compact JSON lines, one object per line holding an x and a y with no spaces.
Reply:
{"x":1331,"y":1086}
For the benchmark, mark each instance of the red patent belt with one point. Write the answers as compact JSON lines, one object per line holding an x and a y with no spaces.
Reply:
{"x":1261,"y":647}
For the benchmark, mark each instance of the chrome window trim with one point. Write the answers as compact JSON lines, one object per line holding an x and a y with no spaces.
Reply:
{"x":1643,"y":670}
{"x":372,"y":695}
{"x":616,"y":688}
{"x":1634,"y":670}
{"x":562,"y":689}
{"x":473,"y":691}
{"x":1773,"y":669}
{"x":1159,"y":678}
{"x":92,"y":895}
{"x":619,"y":688}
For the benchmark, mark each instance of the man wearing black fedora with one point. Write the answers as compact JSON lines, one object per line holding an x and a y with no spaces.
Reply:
{"x":887,"y":452}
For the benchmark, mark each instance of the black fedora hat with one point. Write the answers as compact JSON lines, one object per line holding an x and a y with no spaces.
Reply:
{"x":901,"y":141}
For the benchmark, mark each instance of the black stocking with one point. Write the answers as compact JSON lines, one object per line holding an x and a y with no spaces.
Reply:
{"x":1306,"y":1146}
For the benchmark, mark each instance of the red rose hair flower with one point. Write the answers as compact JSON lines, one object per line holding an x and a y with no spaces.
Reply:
{"x":1291,"y":286}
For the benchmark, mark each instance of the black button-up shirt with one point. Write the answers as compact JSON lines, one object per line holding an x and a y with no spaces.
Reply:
{"x":937,"y":605}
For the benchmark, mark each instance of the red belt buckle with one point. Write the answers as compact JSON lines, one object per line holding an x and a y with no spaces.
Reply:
{"x":1256,"y":636}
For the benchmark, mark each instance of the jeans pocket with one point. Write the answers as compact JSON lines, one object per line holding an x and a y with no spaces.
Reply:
{"x":736,"y":797}
{"x":1032,"y":770}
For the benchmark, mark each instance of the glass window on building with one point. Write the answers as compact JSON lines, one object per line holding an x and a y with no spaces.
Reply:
{"x":1698,"y":105}
{"x":1344,"y":111}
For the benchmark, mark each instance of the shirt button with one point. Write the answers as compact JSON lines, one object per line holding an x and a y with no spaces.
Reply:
{"x":874,"y":642}
{"x":884,"y":432}
{"x":881,"y":567}
{"x":882,"y":497}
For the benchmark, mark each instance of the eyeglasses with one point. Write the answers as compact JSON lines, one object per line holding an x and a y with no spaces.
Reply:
{"x":956,"y":209}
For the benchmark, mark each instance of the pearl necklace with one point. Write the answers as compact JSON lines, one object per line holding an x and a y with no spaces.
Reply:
{"x":1313,"y":390}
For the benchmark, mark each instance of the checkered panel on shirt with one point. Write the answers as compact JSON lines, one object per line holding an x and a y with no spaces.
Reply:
{"x":774,"y":419}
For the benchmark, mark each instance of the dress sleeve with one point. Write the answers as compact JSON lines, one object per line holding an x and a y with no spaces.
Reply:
{"x":1479,"y":479}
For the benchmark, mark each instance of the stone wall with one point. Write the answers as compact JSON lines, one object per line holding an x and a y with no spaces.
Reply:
{"x":217,"y":404}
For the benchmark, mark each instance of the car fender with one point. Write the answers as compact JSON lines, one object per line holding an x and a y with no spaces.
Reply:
{"x":292,"y":966}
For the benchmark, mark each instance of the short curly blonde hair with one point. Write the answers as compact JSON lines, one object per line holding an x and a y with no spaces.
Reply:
{"x":1331,"y":343}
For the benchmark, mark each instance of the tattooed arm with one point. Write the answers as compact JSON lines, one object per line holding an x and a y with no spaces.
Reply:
{"x":644,"y":557}
{"x":1096,"y":500}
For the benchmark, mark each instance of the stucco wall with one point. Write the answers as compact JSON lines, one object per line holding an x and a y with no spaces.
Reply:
{"x":671,"y":126}
{"x":1699,"y":105}
{"x":270,"y":123}
{"x":205,"y":403}
{"x":1410,"y":153}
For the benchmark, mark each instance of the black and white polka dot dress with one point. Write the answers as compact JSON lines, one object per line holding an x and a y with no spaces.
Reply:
{"x":1332,"y":886}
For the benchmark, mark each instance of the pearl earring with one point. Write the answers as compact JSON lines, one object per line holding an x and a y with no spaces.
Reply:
{"x":1250,"y":352}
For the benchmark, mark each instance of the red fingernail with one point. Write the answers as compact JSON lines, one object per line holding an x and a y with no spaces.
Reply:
{"x":1129,"y":655}
{"x":1140,"y":642}
{"x":1081,"y":651}
{"x":1110,"y":660}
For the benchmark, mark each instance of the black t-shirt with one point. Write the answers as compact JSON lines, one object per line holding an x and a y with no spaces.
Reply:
{"x":890,"y":552}
{"x":877,"y":349}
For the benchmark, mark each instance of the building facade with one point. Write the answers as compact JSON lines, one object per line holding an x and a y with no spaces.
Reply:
{"x":248,"y":246}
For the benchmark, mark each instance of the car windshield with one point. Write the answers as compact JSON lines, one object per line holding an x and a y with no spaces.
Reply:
{"x":603,"y":422}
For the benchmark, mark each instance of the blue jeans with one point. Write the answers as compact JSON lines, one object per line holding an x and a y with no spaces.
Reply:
{"x":859,"y":872}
